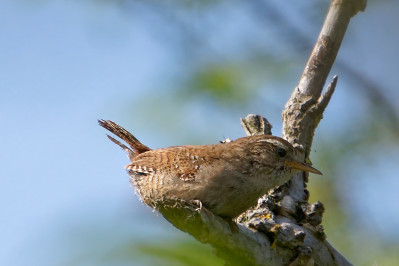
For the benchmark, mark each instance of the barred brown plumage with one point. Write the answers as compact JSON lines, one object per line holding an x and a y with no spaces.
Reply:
{"x":226,"y":178}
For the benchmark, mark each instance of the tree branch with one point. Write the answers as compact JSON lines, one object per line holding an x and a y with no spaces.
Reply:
{"x":283,"y":228}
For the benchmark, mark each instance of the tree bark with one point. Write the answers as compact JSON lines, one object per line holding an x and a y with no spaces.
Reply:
{"x":283,"y":229}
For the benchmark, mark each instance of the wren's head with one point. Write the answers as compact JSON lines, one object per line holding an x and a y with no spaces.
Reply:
{"x":276,"y":158}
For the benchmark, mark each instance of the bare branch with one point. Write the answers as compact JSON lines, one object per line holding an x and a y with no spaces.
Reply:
{"x":326,"y":49}
{"x":325,"y":98}
{"x":315,"y":74}
{"x":256,"y":125}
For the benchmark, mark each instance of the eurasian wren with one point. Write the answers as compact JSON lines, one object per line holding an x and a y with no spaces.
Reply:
{"x":226,"y":178}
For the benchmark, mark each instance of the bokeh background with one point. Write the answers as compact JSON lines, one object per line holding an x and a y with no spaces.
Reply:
{"x":181,"y":72}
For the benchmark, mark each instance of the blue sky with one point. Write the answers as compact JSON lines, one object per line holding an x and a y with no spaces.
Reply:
{"x":57,"y":79}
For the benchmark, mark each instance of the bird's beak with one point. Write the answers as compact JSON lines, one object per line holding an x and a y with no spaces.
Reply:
{"x":303,"y":167}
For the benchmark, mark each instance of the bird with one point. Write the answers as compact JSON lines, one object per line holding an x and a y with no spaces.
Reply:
{"x":225,"y":178}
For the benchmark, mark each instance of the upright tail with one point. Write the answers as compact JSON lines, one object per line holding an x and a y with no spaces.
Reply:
{"x":122,"y":133}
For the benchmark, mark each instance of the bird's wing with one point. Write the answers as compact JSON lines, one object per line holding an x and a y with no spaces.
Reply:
{"x":183,"y":162}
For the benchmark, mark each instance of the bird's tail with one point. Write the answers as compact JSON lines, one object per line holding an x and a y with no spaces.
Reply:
{"x":122,"y":133}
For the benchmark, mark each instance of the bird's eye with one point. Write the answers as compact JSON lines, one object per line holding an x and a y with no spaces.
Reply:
{"x":281,"y":152}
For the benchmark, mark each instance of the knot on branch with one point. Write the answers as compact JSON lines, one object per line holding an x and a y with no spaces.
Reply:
{"x":303,"y":113}
{"x":256,"y":125}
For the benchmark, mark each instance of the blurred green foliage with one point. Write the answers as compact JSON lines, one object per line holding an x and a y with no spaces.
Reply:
{"x":225,"y":84}
{"x":178,"y":253}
